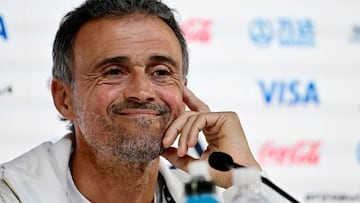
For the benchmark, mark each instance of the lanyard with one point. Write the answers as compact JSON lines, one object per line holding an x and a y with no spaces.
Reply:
{"x":165,"y":193}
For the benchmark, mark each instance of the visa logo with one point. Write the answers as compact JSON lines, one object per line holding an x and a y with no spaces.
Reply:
{"x":292,"y":92}
{"x":3,"y":33}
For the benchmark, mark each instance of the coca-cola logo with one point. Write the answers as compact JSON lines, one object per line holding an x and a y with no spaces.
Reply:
{"x":303,"y":152}
{"x":197,"y":30}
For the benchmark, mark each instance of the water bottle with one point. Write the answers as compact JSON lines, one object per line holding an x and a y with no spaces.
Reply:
{"x":248,"y":184}
{"x":200,"y":188}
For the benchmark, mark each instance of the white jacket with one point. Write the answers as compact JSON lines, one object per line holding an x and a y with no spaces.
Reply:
{"x":41,"y":176}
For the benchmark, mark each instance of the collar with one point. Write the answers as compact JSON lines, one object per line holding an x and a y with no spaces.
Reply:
{"x":41,"y":174}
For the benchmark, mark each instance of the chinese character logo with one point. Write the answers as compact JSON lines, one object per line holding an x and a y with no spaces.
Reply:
{"x":286,"y":32}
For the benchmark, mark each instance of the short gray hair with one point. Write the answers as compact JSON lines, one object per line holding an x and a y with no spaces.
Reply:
{"x":94,"y":9}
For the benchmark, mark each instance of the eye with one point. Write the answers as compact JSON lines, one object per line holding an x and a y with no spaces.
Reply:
{"x":114,"y":71}
{"x":161,"y":73}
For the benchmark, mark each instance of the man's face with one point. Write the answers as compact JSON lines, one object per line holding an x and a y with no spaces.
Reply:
{"x":128,"y":86}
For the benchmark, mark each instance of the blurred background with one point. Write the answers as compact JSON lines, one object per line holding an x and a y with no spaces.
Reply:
{"x":289,"y":68}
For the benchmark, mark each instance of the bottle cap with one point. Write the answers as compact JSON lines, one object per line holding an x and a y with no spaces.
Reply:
{"x":199,"y":168}
{"x":200,"y":182}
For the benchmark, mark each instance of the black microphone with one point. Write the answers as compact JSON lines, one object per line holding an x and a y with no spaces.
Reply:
{"x":224,"y":162}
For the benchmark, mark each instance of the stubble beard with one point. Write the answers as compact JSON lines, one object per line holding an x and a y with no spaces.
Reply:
{"x":135,"y":142}
{"x":140,"y":146}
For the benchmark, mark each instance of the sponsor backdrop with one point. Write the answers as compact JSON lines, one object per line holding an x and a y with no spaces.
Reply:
{"x":290,"y":69}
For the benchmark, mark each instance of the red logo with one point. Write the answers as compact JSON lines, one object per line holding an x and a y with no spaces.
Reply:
{"x":197,"y":30}
{"x":303,"y":152}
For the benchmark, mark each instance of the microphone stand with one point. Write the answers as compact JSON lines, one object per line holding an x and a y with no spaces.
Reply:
{"x":224,"y":162}
{"x":279,"y":190}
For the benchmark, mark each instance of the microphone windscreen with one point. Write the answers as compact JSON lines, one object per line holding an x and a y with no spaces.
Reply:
{"x":220,"y":161}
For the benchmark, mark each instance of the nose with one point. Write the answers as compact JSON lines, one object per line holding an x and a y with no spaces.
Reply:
{"x":140,"y":89}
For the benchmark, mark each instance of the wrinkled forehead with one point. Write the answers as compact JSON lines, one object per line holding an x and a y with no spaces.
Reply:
{"x":132,"y":34}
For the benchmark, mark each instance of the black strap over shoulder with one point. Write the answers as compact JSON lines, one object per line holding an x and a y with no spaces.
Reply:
{"x":164,"y":190}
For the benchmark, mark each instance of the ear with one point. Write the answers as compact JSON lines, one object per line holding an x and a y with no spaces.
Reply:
{"x":62,"y":97}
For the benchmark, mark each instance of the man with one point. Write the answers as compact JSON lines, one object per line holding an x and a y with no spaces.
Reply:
{"x":119,"y":78}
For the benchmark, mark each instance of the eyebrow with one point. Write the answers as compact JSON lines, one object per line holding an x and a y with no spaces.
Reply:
{"x":125,"y":59}
{"x":117,"y":59}
{"x":166,"y":59}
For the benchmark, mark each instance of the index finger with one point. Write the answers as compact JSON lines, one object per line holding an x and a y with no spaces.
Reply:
{"x":193,"y":102}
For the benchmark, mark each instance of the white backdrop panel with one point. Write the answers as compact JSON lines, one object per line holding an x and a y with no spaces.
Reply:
{"x":290,"y":69}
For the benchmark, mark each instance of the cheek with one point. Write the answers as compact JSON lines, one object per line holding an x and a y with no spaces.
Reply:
{"x":174,"y":98}
{"x":98,"y":100}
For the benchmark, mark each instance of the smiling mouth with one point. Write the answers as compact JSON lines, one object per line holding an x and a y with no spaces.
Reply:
{"x":139,"y":112}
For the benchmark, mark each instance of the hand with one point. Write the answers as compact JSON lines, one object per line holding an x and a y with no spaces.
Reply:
{"x":222,"y":131}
